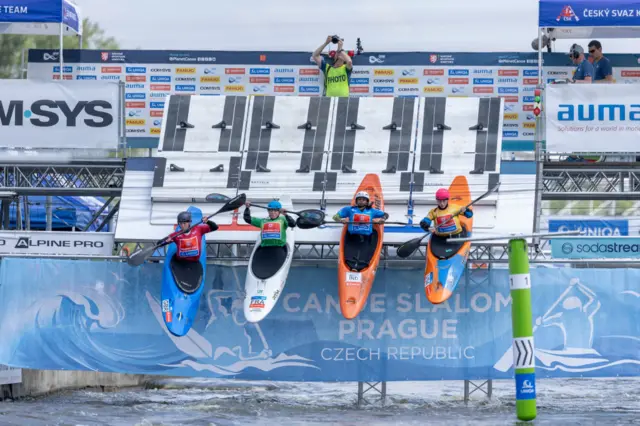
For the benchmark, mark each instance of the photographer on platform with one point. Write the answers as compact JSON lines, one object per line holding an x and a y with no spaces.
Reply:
{"x":584,"y":71}
{"x":338,"y":73}
{"x":603,"y":72}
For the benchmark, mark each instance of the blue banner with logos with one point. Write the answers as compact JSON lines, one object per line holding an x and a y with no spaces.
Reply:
{"x":589,"y":13}
{"x":592,"y":227}
{"x":151,"y":76}
{"x":106,"y":316}
{"x":596,"y":248}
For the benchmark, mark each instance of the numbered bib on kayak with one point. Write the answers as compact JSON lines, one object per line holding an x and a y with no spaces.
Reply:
{"x":188,"y":246}
{"x":353,"y":278}
{"x":271,"y":231}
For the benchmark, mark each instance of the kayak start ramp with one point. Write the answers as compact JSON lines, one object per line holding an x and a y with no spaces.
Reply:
{"x":317,"y":150}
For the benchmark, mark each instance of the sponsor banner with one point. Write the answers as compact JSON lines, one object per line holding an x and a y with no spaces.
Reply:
{"x":509,"y":75}
{"x":10,"y":375}
{"x":596,"y":248}
{"x":588,"y":325}
{"x":591,"y":227}
{"x":69,"y":114}
{"x":593,"y":118}
{"x":56,"y":243}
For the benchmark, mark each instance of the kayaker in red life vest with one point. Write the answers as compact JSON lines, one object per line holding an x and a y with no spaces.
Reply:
{"x":190,"y":243}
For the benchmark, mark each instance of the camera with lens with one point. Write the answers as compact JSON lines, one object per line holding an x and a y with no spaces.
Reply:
{"x":335,"y":39}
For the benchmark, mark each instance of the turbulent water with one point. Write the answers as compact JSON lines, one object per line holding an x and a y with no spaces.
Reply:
{"x":225,"y":403}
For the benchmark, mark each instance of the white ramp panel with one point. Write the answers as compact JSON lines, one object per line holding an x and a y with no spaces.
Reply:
{"x":372,"y":135}
{"x":202,"y":149}
{"x":458,"y":136}
{"x":285,"y":149}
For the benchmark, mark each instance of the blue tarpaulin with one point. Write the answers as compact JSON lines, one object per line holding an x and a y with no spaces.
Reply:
{"x":67,"y":213}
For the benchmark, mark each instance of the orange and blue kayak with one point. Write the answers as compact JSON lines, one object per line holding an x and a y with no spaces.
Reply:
{"x":355,"y":281}
{"x":446,"y":262}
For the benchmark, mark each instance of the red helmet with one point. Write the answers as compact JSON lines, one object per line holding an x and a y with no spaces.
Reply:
{"x":442,"y":194}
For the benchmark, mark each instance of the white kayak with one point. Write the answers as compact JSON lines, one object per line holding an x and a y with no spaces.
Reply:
{"x":267,"y":271}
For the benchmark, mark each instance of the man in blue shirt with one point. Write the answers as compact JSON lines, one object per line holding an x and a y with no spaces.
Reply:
{"x":603,"y":72}
{"x":584,"y":70}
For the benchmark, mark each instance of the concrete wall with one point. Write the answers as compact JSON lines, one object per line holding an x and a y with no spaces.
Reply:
{"x":39,"y":382}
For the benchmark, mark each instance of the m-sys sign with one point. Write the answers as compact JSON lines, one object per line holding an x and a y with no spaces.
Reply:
{"x":67,"y":114}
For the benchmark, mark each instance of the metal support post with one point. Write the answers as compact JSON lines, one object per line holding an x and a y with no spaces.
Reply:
{"x":365,"y":387}
{"x":485,"y":387}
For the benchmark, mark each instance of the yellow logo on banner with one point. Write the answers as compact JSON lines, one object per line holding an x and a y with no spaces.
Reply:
{"x":386,"y":71}
{"x":185,"y":70}
{"x":155,"y":131}
{"x":408,"y":81}
{"x":512,"y":116}
{"x":433,"y":89}
{"x":529,"y":125}
{"x":234,"y":88}
{"x":210,"y":79}
{"x":135,"y":122}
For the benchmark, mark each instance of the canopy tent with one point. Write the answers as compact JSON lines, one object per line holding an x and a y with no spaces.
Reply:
{"x":41,"y":17}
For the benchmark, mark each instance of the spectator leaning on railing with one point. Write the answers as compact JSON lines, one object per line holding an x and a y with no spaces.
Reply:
{"x":338,"y":73}
{"x":603,"y":72}
{"x":584,"y":70}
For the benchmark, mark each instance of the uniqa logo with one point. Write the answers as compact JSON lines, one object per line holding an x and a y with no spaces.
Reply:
{"x":605,"y":112}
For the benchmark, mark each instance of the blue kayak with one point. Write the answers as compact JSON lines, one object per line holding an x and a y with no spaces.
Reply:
{"x":182,"y":285}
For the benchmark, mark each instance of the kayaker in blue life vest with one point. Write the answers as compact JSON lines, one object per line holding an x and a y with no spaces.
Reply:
{"x":360,"y":241}
{"x":189,"y":245}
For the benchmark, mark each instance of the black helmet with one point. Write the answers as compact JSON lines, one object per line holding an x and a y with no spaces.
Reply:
{"x":184,"y":217}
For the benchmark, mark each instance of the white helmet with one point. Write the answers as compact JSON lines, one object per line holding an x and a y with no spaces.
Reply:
{"x":363,"y":194}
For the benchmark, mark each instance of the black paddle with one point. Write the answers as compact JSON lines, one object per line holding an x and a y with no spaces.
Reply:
{"x":406,"y":249}
{"x":138,"y":258}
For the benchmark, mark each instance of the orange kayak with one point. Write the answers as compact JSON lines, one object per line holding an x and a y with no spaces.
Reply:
{"x":446,"y":262}
{"x":356,"y":278}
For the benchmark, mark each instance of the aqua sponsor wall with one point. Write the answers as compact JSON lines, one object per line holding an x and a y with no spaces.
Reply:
{"x":106,"y":316}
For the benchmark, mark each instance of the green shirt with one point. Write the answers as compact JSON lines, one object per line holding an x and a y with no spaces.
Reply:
{"x":336,"y":81}
{"x":272,"y":231}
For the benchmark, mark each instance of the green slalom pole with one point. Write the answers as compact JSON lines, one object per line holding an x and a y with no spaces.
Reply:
{"x":522,"y":323}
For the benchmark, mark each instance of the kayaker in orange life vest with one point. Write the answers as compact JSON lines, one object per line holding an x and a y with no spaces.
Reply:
{"x":445,"y":216}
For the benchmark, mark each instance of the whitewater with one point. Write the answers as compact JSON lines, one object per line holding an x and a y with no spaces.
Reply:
{"x":224,"y":402}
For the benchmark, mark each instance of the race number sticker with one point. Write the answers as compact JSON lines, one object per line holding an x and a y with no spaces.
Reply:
{"x":165,"y":306}
{"x":428,"y":279}
{"x":271,"y":231}
{"x":257,"y":302}
{"x":353,"y":278}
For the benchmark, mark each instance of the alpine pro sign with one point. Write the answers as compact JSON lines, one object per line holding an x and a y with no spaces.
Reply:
{"x":593,"y":118}
{"x":68,"y":114}
{"x":56,"y":243}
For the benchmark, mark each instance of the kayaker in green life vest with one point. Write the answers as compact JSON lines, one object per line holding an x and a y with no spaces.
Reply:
{"x":273,"y":230}
{"x":337,"y":73}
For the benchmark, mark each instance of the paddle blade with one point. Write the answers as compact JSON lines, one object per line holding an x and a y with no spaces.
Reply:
{"x":303,"y":223}
{"x":409,"y":247}
{"x":312,"y":216}
{"x":233,"y":203}
{"x":216,"y":198}
{"x":138,"y":258}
